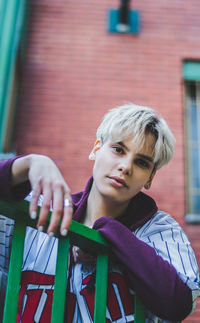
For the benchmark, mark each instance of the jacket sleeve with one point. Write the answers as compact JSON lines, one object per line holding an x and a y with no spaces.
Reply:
{"x":7,"y":191}
{"x":153,"y":278}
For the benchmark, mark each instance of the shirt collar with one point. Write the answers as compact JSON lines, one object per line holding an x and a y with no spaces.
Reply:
{"x":140,"y":209}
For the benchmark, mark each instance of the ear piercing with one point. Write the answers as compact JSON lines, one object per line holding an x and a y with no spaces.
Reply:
{"x":147,"y":186}
{"x":92,"y":156}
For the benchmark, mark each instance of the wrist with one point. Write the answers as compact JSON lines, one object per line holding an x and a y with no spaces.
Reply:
{"x":20,"y":169}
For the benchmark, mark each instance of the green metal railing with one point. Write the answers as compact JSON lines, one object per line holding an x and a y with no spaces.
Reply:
{"x":88,"y":239}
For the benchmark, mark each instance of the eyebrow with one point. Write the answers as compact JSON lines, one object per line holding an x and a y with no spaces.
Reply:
{"x":148,"y":158}
{"x":122,"y":144}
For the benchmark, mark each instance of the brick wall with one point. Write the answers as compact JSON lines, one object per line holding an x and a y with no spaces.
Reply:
{"x":75,"y":71}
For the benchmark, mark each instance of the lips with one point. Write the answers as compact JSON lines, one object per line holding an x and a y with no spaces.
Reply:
{"x":120,"y":182}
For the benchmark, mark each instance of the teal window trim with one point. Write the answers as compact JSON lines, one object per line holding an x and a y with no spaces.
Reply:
{"x":114,"y":26}
{"x":191,"y":71}
{"x":13,"y":22}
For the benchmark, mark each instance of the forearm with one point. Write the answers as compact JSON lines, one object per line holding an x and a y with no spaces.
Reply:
{"x":155,"y":281}
{"x":14,"y":174}
{"x":21,"y":167}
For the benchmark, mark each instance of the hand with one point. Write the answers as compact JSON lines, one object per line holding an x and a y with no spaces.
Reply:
{"x":45,"y":179}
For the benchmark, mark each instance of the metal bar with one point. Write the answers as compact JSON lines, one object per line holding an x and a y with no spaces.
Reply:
{"x":14,"y":276}
{"x":59,"y":295}
{"x":101,"y":289}
{"x":139,"y":315}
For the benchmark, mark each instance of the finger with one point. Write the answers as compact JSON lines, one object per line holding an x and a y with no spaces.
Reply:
{"x":58,"y":210}
{"x":45,"y":208}
{"x":67,"y":218}
{"x":34,"y":201}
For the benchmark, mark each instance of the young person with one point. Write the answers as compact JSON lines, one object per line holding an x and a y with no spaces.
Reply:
{"x":153,"y":255}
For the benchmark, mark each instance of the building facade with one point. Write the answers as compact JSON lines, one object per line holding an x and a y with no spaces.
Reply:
{"x":76,"y":69}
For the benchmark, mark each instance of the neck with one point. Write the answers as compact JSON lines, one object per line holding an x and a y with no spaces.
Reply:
{"x":99,"y":206}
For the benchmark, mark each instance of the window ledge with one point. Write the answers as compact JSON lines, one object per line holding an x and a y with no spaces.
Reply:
{"x":192,"y":218}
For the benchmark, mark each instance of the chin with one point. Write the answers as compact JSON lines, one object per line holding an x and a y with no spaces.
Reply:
{"x":112,"y":196}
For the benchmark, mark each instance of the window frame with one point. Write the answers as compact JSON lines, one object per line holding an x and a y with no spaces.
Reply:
{"x":191,"y":215}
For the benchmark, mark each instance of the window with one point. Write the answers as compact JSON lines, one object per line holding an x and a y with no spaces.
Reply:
{"x":191,"y":75}
{"x":192,"y":118}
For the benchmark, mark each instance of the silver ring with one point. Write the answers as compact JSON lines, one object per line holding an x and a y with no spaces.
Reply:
{"x":67,"y":203}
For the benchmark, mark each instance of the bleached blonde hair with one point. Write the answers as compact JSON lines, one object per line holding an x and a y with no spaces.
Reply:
{"x":138,"y":121}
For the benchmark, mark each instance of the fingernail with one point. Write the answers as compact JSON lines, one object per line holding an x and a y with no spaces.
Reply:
{"x":33,"y":215}
{"x":51,"y":234}
{"x":40,"y":228}
{"x":64,"y":233}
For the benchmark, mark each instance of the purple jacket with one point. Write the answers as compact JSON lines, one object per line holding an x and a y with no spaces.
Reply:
{"x":154,"y":280}
{"x":6,"y":190}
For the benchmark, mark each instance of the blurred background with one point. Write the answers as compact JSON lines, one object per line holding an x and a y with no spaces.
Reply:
{"x":64,"y":63}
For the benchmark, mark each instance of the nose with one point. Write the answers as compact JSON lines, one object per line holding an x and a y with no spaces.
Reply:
{"x":125,"y":166}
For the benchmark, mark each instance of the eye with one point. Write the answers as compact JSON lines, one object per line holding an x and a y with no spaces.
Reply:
{"x":118,"y":149}
{"x":143,"y":163}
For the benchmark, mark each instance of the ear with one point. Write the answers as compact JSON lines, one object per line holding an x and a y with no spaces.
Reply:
{"x":97,"y":146}
{"x":149,"y":182}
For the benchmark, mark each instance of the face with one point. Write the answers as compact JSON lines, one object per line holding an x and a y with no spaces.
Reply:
{"x":120,"y":172}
